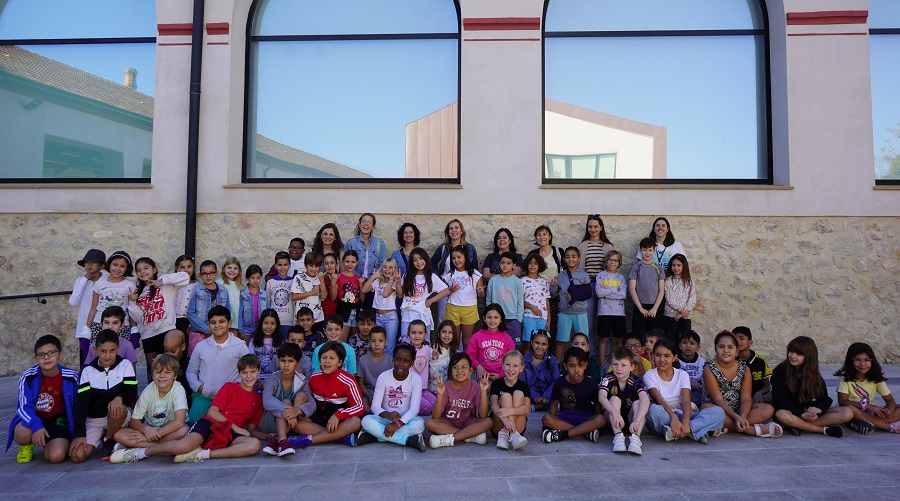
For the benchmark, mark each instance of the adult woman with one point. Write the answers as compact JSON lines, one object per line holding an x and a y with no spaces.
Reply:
{"x":594,"y":247}
{"x":328,"y":241}
{"x":372,"y":251}
{"x":503,"y":242}
{"x":408,"y":236}
{"x":553,"y":257}
{"x":454,"y":234}
{"x":666,"y":245}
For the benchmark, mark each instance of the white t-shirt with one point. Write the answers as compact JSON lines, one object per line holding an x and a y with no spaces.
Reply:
{"x":157,"y":411}
{"x":537,"y":291}
{"x":466,"y":295}
{"x":379,"y":302}
{"x":403,"y":397}
{"x":416,"y":302}
{"x":304,"y":283}
{"x":112,"y":294}
{"x":670,"y":391}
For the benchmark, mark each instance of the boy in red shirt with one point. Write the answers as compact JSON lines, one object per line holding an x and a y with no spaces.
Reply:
{"x":236,"y":405}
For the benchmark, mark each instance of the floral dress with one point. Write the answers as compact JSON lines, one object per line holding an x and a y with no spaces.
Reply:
{"x":731,"y":389}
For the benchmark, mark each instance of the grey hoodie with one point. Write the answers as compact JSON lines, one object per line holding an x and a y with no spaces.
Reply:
{"x":273,"y":387}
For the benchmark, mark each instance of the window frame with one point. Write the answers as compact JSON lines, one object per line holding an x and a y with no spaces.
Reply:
{"x":876,"y":32}
{"x":763,"y":66}
{"x":249,"y":65}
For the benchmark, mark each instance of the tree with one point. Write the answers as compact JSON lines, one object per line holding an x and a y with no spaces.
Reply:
{"x":887,"y":164}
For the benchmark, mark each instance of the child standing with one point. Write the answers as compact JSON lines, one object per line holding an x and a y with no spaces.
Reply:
{"x":286,"y":400}
{"x":420,"y":364}
{"x":681,"y":297}
{"x":161,"y":410}
{"x":421,"y":288}
{"x":487,"y":346}
{"x":541,"y":370}
{"x":395,"y":405}
{"x":536,"y":314}
{"x":799,"y":394}
{"x":383,"y":285}
{"x":372,"y":364}
{"x":307,"y":290}
{"x":265,"y":341}
{"x":330,"y":266}
{"x":204,"y":298}
{"x":183,"y":295}
{"x":462,"y":306}
{"x":112,"y":290}
{"x":45,"y":409}
{"x":347,"y":291}
{"x":691,"y":362}
{"x":445,"y":346}
{"x":365,"y":322}
{"x":762,"y":390}
{"x":278,"y":288}
{"x":646,"y":287}
{"x":253,"y":301}
{"x":861,"y":378}
{"x":510,"y":403}
{"x":573,"y":403}
{"x":231,"y":281}
{"x":506,"y":290}
{"x":611,"y":291}
{"x":572,"y":309}
{"x":83,"y":297}
{"x":460,"y":412}
{"x":107,"y":390}
{"x":624,"y":401}
{"x":334,"y":327}
{"x":237,"y":404}
{"x":672,"y":415}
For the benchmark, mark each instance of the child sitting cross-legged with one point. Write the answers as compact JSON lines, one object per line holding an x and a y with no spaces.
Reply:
{"x":338,"y":401}
{"x":460,"y":412}
{"x":395,"y":404}
{"x":510,"y":403}
{"x":573,"y":403}
{"x":161,"y":410}
{"x":286,"y":400}
{"x":224,"y":432}
{"x":624,"y":401}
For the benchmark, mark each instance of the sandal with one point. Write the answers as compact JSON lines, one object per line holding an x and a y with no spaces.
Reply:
{"x":759,"y":432}
{"x":775,"y":429}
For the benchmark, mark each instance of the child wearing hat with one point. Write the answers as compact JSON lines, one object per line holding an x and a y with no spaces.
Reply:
{"x":82,"y":297}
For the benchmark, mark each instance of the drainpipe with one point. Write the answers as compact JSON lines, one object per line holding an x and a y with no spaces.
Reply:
{"x":190,"y":211}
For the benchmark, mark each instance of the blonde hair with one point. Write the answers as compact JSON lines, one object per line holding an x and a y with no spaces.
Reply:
{"x":391,"y":261}
{"x":166,"y":361}
{"x":514,"y":354}
{"x":237,"y":280}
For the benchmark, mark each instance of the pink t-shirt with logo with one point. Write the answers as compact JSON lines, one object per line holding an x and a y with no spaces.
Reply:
{"x":487,"y":348}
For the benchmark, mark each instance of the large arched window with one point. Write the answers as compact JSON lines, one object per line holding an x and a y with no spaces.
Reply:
{"x":656,"y":91}
{"x":352,"y":90}
{"x":76,"y":87}
{"x":884,"y":47}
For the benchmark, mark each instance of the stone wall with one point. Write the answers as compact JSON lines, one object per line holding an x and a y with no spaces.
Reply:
{"x":834,"y":279}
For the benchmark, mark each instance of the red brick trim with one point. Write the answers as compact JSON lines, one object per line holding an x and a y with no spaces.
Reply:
{"x":169,"y":30}
{"x":501,"y":23}
{"x":828,"y":17}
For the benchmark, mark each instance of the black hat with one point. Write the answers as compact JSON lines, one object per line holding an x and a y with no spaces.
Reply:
{"x":97,"y":256}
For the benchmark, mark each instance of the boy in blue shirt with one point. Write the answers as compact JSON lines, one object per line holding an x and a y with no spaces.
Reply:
{"x":507,"y":291}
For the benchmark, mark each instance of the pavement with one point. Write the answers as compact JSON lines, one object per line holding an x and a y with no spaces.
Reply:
{"x":731,"y":467}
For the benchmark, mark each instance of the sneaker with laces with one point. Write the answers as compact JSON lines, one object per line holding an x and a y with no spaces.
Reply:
{"x":441,"y":441}
{"x":517,"y":440}
{"x":594,"y":436}
{"x":300,"y":441}
{"x":125,"y":456}
{"x":634,"y":445}
{"x":284,"y":448}
{"x":191,"y":457}
{"x":271,"y":447}
{"x":416,"y":442}
{"x":619,"y":443}
{"x":349,"y":440}
{"x":365,"y":438}
{"x":503,"y":439}
{"x":862,"y":427}
{"x":669,"y":436}
{"x":26,"y":453}
{"x":479,"y":439}
{"x":550,"y":436}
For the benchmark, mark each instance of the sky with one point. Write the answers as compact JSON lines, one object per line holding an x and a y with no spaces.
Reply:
{"x":350,"y":101}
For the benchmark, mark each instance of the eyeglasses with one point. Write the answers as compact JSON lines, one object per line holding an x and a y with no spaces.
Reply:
{"x":632,"y":346}
{"x":863,"y":360}
{"x":47,"y":354}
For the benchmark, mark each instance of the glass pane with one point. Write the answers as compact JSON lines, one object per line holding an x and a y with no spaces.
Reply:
{"x":71,"y":120}
{"x":318,"y":17}
{"x":384,"y":109}
{"x":619,"y":15}
{"x":884,"y":14}
{"x":25,"y":19}
{"x":697,"y":95}
{"x":885,"y":52}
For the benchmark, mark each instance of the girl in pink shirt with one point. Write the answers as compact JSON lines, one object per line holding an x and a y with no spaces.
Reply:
{"x":487,"y":346}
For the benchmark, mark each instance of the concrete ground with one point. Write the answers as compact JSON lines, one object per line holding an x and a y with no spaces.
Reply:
{"x":732,"y":467}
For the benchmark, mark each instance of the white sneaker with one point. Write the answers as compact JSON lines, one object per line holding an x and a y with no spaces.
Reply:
{"x":503,"y":439}
{"x":191,"y":457}
{"x":479,"y":439}
{"x":517,"y":440}
{"x":619,"y":443}
{"x":668,"y":434}
{"x":634,"y":445}
{"x":441,"y":441}
{"x":125,"y":456}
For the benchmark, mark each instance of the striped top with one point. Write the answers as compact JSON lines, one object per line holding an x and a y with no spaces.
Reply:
{"x":594,"y":259}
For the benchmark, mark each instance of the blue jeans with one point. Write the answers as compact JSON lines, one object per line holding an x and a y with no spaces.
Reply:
{"x":374,"y":425}
{"x":702,"y":422}
{"x":390,"y":322}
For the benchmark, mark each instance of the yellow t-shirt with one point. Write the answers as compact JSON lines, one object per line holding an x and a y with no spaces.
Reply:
{"x":647,"y":366}
{"x":856,"y":390}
